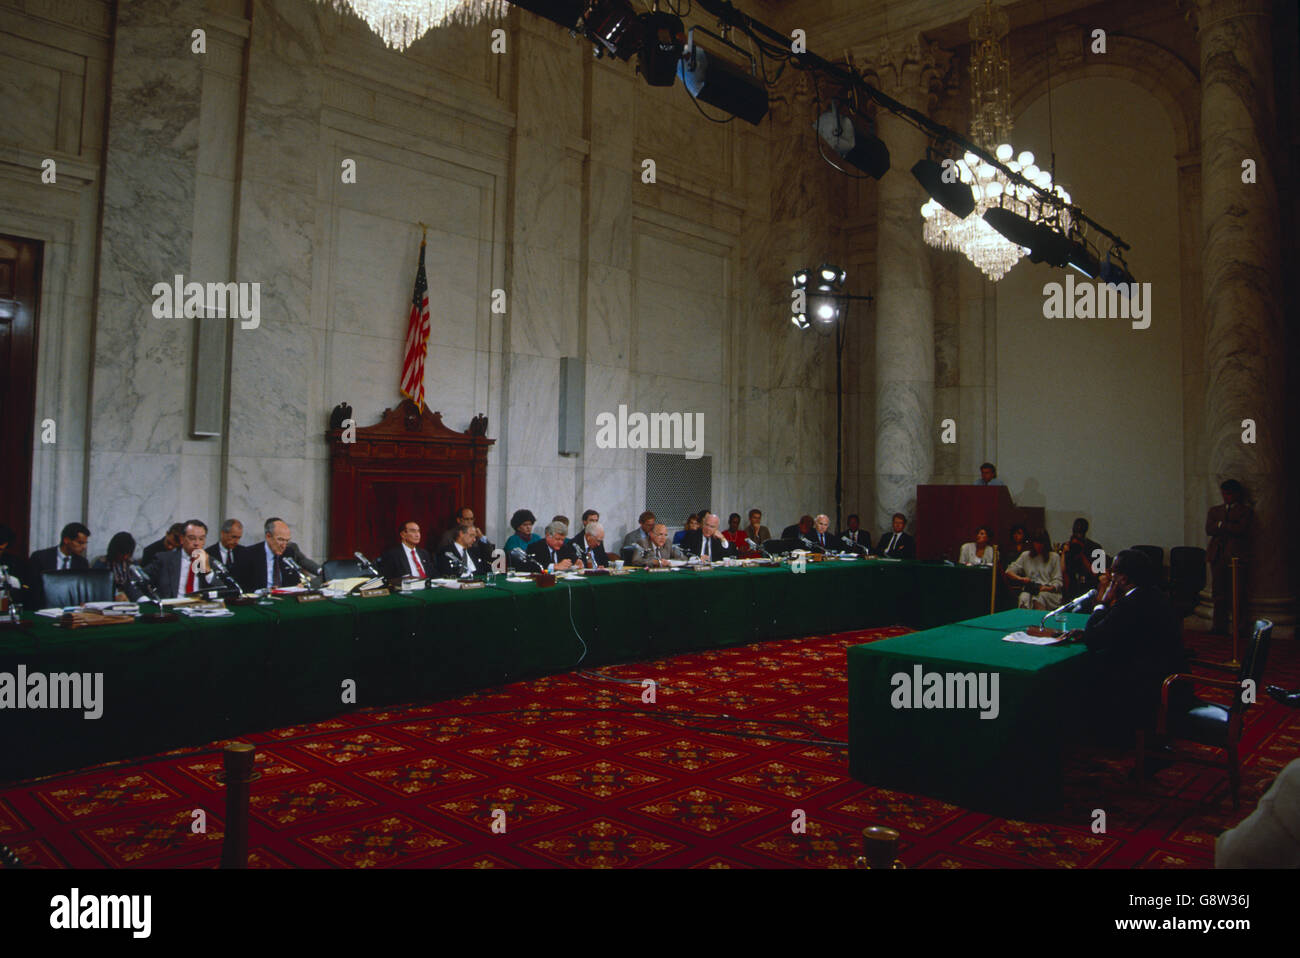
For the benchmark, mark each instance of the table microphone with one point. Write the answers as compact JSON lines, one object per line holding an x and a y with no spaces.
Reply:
{"x":519,"y":555}
{"x":220,"y":569}
{"x":367,"y":566}
{"x":756,"y":547}
{"x":1070,"y":606}
{"x":296,"y":569}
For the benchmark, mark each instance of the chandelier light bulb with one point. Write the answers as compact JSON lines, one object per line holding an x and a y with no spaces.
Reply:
{"x":1025,"y":159}
{"x":1005,"y":152}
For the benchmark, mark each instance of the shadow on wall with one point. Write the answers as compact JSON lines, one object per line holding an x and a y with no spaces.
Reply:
{"x":1031,"y":495}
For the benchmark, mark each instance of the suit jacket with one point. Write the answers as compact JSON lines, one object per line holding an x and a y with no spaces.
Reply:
{"x":296,"y":554}
{"x":250,"y":568}
{"x":47,"y":560}
{"x":1229,"y":532}
{"x":579,"y":543}
{"x":861,"y":537}
{"x":165,"y":572}
{"x":637,"y":536}
{"x":151,"y":550}
{"x":214,"y":551}
{"x":693,"y":544}
{"x":540,"y":552}
{"x":642,"y":556}
{"x":482,"y":550}
{"x":832,"y":543}
{"x":906,"y":548}
{"x":394,"y":562}
{"x":792,"y":532}
{"x":448,"y":565}
{"x":1139,"y":642}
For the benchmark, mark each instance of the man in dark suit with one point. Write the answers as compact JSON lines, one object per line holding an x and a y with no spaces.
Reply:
{"x":897,"y":544}
{"x":822,"y":539}
{"x":170,"y":540}
{"x":227,"y":544}
{"x":457,"y":559}
{"x":855,"y":538}
{"x":407,"y":558}
{"x":463,"y":514}
{"x":590,"y":546}
{"x":1137,"y":641}
{"x":707,"y":542}
{"x":15,"y":567}
{"x":70,"y":553}
{"x":178,"y":572}
{"x":1228,"y":527}
{"x":553,"y":549}
{"x":262,"y":566}
{"x":800,"y":529}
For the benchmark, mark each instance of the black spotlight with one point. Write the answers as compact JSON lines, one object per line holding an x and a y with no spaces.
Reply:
{"x":1114,"y":271}
{"x":722,"y":84}
{"x":1083,"y":260}
{"x":664,"y":40}
{"x":613,"y":26}
{"x":1045,"y":244}
{"x":956,"y":197}
{"x":860,"y":148}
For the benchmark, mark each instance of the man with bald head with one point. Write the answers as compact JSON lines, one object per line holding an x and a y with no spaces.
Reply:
{"x":659,"y":550}
{"x":590,"y":544}
{"x":707,"y":542}
{"x":262,"y":566}
{"x":822,"y":539}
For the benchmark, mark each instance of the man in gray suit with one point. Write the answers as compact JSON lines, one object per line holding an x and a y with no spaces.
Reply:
{"x":658,"y":551}
{"x":178,"y":572}
{"x":641,"y":534}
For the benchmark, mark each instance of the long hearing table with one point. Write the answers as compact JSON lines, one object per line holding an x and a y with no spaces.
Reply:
{"x":197,"y":680}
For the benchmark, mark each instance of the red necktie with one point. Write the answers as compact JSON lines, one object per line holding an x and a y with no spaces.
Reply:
{"x":189,"y":579}
{"x":419,"y":569}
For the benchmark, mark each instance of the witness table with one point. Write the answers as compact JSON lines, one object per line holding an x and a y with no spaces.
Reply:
{"x":1009,"y":764}
{"x":196,"y":680}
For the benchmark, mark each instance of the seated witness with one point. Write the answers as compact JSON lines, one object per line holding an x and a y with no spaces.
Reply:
{"x":70,"y":553}
{"x":707,"y":542}
{"x":979,"y":552}
{"x":691,"y":524}
{"x":406,"y":558}
{"x":897,"y":544}
{"x":223,"y":550}
{"x":170,"y":540}
{"x":553,"y":550}
{"x":590,"y":546}
{"x":734,"y":534}
{"x":822,"y":538}
{"x":119,"y":559}
{"x":756,"y":531}
{"x":262,"y":566}
{"x":178,"y":572}
{"x":800,"y":529}
{"x":1038,"y":574}
{"x":641,"y":534}
{"x":522,"y":522}
{"x":457,"y":559}
{"x":855,"y":538}
{"x":659,"y":551}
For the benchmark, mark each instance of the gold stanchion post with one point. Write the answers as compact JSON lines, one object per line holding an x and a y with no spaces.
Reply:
{"x":993,"y":586}
{"x":238,"y":761}
{"x":1234,"y":662}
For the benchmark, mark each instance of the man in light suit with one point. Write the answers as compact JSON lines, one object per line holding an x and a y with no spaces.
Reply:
{"x":69,"y":554}
{"x":178,"y":572}
{"x":659,"y":551}
{"x":407,"y":558}
{"x":641,"y":534}
{"x":707,"y":542}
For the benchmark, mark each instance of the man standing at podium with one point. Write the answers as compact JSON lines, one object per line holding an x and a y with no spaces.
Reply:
{"x":989,"y":476}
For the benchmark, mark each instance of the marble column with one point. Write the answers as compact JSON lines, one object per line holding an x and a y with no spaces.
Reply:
{"x":907,"y":70}
{"x":1241,"y":287}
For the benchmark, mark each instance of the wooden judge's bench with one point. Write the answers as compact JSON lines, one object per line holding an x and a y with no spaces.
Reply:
{"x":947,"y":516}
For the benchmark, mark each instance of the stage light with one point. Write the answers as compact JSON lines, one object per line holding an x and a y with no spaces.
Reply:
{"x":857,"y":147}
{"x":664,"y":38}
{"x":1045,"y":244}
{"x":720,"y":83}
{"x":955,"y":197}
{"x":614,"y":27}
{"x":1114,"y":271}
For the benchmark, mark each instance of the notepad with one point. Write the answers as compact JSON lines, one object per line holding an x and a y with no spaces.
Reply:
{"x":1028,"y":639}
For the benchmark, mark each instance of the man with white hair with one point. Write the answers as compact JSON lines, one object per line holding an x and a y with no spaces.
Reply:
{"x":707,"y":542}
{"x":590,"y":546}
{"x":822,"y":538}
{"x":553,"y":550}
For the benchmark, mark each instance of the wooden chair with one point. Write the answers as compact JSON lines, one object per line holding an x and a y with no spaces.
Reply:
{"x":1208,"y":723}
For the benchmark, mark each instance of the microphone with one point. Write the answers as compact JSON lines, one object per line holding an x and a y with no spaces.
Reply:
{"x":1071,"y":605}
{"x":523,"y":558}
{"x":368,"y":566}
{"x":294,"y":568}
{"x":144,"y":582}
{"x":220,"y":569}
{"x":756,"y":547}
{"x":812,"y":546}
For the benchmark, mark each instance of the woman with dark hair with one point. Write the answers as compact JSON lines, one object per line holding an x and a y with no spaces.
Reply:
{"x":734,"y":534}
{"x":1228,"y":527}
{"x":1019,"y":541}
{"x":692,"y":523}
{"x":522,"y":522}
{"x":979,"y":552}
{"x":121,"y":549}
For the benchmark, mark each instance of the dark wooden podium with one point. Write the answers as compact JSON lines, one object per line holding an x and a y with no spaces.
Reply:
{"x":408,"y":466}
{"x":947,"y":516}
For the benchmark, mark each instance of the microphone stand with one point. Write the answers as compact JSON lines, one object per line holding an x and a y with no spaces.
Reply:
{"x":143,"y":581}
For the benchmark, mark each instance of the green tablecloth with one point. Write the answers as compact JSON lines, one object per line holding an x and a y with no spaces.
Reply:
{"x":196,"y":680}
{"x":1009,"y":764}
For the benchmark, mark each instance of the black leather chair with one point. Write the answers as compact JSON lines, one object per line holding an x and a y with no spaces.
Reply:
{"x":1209,"y":723}
{"x":342,"y":569}
{"x":1157,"y":556}
{"x":1186,"y":570}
{"x":76,"y":587}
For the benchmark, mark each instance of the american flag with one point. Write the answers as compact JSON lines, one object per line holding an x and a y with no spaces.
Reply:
{"x":417,"y":338}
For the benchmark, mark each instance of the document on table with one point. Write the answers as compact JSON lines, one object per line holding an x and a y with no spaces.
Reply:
{"x":1028,"y":639}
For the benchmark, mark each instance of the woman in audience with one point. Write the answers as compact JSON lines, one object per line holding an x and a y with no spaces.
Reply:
{"x":692,"y":522}
{"x":121,"y":551}
{"x":734,"y":534}
{"x":1019,"y":542}
{"x":979,"y":552}
{"x":522,"y":522}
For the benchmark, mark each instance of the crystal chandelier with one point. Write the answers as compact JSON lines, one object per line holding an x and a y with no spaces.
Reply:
{"x":401,"y":22}
{"x":984,"y":246}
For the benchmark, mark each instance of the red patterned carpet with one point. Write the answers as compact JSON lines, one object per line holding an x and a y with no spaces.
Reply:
{"x":590,"y":776}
